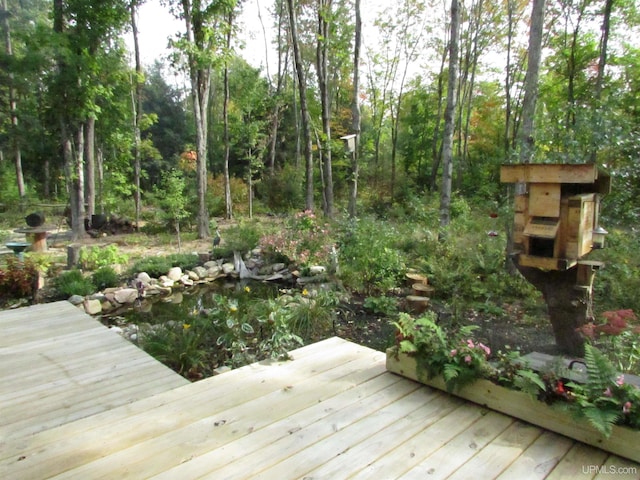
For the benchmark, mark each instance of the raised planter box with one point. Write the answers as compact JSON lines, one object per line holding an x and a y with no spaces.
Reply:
{"x":623,"y":441}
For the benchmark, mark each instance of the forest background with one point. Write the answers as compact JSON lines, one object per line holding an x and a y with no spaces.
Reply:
{"x":85,"y":123}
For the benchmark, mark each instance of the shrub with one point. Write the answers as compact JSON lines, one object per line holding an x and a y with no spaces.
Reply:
{"x":17,"y":279}
{"x":101,"y":256}
{"x":73,"y":283}
{"x":242,"y":237}
{"x":154,"y":266}
{"x":105,"y":277}
{"x":187,"y":261}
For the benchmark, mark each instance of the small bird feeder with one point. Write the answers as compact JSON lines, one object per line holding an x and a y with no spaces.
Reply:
{"x":556,"y":220}
{"x":349,"y":142}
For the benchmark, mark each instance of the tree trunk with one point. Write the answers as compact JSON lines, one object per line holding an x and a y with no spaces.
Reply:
{"x":569,"y":306}
{"x":322,"y":49}
{"x":355,"y":113}
{"x":306,"y":120}
{"x":137,"y":116}
{"x":15,"y":144}
{"x":90,"y":166}
{"x":447,"y":151}
{"x":227,"y":142}
{"x":525,"y":135}
{"x":436,"y":152}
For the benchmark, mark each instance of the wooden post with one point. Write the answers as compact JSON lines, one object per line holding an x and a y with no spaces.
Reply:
{"x":73,"y":256}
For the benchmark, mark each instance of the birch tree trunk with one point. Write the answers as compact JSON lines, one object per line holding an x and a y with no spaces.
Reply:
{"x":355,"y":114}
{"x":449,"y":122}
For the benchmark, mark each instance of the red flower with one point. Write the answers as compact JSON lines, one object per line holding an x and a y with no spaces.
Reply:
{"x":560,"y":390}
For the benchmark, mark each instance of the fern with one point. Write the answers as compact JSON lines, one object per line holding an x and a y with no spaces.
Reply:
{"x":529,"y":382}
{"x":601,"y":419}
{"x":601,"y":374}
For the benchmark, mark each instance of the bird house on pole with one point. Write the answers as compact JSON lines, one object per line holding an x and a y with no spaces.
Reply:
{"x":556,"y":221}
{"x":349,"y":142}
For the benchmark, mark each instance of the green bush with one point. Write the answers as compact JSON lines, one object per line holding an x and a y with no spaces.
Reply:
{"x":368,"y":256}
{"x":243,"y":237}
{"x":105,"y":277}
{"x":187,"y":261}
{"x":101,"y":256}
{"x":73,"y":282}
{"x":154,"y":266}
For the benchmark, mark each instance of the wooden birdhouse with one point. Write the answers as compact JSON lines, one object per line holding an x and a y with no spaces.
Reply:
{"x":556,"y":219}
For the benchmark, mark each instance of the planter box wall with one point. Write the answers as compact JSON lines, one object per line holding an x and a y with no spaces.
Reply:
{"x":623,"y":441}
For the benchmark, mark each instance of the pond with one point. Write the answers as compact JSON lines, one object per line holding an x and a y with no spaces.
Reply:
{"x":232,"y":323}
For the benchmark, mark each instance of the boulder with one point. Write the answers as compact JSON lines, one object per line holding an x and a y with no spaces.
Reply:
{"x":228,"y":268}
{"x":76,"y":300}
{"x":186,"y":281}
{"x":144,"y":277}
{"x":201,"y":272}
{"x":211,"y":264}
{"x":317,"y":269}
{"x":174,"y":274}
{"x":92,"y":306}
{"x":126,"y":295}
{"x":165,"y":281}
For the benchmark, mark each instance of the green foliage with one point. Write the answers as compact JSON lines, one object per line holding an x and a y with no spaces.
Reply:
{"x":453,"y":353}
{"x":283,"y":191}
{"x":384,"y":305}
{"x":157,"y":266}
{"x":311,"y":314}
{"x":99,"y":256}
{"x":242,"y":237}
{"x":105,"y":277}
{"x":73,"y":282}
{"x":17,"y":279}
{"x":368,"y":255}
{"x":179,"y":346}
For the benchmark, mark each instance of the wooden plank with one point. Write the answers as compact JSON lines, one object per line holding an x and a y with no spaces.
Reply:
{"x":500,"y":453}
{"x":236,"y":450}
{"x":407,"y":455}
{"x":196,"y":434}
{"x":132,"y":441}
{"x":542,"y":228}
{"x":537,"y":461}
{"x":440,"y":462}
{"x":618,"y":468}
{"x":549,"y":173}
{"x":577,"y":463}
{"x":544,"y":200}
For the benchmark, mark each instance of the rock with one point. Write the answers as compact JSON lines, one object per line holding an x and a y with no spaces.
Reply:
{"x":165,"y":281}
{"x":92,"y":307}
{"x":211,"y":264}
{"x":106,"y":306}
{"x":277,"y":267}
{"x":144,"y":277}
{"x":228,"y":268}
{"x":317,"y":269}
{"x":174,"y":274}
{"x":76,"y":299}
{"x":193,"y":275}
{"x":126,"y":295}
{"x":213,"y":272}
{"x":186,"y":281}
{"x":201,"y":272}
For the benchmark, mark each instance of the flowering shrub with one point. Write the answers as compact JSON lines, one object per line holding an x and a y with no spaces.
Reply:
{"x":17,"y":279}
{"x":618,"y":336}
{"x":303,"y":242}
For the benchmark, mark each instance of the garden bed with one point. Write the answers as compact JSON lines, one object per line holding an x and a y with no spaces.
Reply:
{"x":623,"y":441}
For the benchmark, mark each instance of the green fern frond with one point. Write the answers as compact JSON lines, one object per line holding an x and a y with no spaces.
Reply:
{"x":601,"y":374}
{"x":529,"y":382}
{"x":602,"y":420}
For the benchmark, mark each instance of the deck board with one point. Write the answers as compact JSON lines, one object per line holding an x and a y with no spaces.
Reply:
{"x":79,"y":402}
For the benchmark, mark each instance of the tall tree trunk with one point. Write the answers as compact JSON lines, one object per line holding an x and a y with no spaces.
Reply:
{"x":436,"y":146}
{"x":447,"y":150}
{"x":306,"y":119}
{"x":602,"y":63}
{"x":90,"y":166}
{"x":526,"y":141}
{"x":355,"y":114}
{"x":225,"y":120}
{"x":137,"y":116}
{"x":15,"y":144}
{"x":200,"y":79}
{"x":322,"y":50}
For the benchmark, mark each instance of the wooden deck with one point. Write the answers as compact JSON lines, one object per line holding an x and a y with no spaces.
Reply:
{"x":77,"y":401}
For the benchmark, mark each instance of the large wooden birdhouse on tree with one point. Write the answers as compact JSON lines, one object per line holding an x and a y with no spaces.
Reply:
{"x":556,"y":224}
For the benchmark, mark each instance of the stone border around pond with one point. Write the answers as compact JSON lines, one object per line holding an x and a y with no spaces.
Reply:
{"x":144,"y":286}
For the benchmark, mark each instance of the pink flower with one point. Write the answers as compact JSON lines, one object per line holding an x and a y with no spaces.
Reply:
{"x":607,"y":392}
{"x":486,"y":349}
{"x":620,"y":380}
{"x":470,"y":343}
{"x":467,"y":358}
{"x":626,"y":408}
{"x":453,"y":352}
